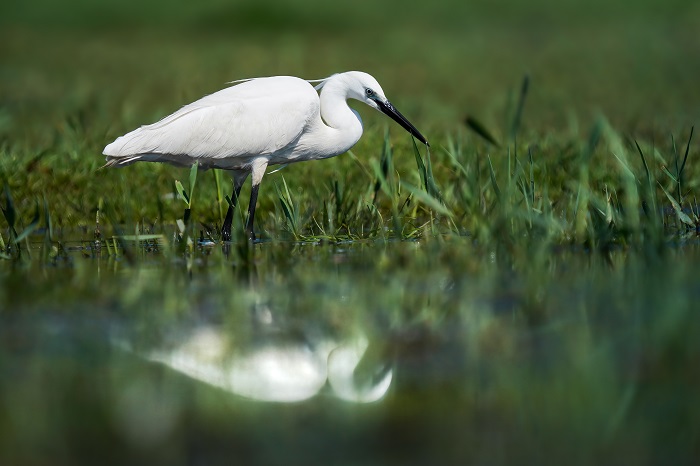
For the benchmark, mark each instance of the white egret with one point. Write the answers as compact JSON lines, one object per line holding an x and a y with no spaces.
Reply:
{"x":259,"y":122}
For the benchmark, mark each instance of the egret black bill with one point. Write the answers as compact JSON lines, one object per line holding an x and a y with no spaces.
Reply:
{"x":391,"y":112}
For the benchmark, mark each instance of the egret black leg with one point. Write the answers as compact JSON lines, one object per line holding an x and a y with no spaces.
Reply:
{"x":258,"y":168}
{"x":239,"y":178}
{"x":228,"y":221}
{"x":251,"y":212}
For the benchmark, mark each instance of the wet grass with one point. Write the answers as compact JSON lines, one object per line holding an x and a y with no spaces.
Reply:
{"x":530,"y":278}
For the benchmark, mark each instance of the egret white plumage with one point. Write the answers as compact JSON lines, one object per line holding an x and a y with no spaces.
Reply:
{"x":260,"y":122}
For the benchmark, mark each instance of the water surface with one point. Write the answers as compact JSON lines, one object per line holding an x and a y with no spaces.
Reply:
{"x":418,"y":352}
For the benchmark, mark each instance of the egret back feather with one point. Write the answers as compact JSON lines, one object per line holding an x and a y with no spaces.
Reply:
{"x":224,"y":129}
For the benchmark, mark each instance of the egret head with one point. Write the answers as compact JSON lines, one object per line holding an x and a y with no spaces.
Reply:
{"x":363,"y":87}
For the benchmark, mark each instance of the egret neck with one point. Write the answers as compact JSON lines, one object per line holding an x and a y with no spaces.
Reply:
{"x":343,"y":126}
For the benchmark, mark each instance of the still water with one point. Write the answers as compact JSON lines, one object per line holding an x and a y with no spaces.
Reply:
{"x":426,"y":352}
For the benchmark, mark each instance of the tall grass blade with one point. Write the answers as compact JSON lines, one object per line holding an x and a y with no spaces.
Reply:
{"x":593,"y":140}
{"x":434,"y":190}
{"x":679,"y":170}
{"x":388,"y":189}
{"x":421,"y":166}
{"x":452,"y":152}
{"x":676,"y":177}
{"x":48,"y":223}
{"x":339,"y":197}
{"x":476,"y":126}
{"x":193,"y":180}
{"x":181,"y":192}
{"x":629,"y":189}
{"x":532,"y":176}
{"x":33,"y":225}
{"x":382,"y":182}
{"x":288,"y":208}
{"x":385,"y":165}
{"x":494,"y":182}
{"x":360,"y":164}
{"x":426,"y":171}
{"x":9,"y":211}
{"x":219,"y":193}
{"x":644,"y":160}
{"x":427,"y":200}
{"x":650,"y":195}
{"x":583,"y":196}
{"x":280,"y":167}
{"x":682,"y":216}
{"x":666,"y":172}
{"x":515,"y":126}
{"x":687,"y":149}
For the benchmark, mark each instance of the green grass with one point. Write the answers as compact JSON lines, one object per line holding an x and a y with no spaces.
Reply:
{"x":531,"y":278}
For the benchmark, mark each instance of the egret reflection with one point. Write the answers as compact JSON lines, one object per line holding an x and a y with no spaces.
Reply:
{"x":280,"y":368}
{"x":349,"y":377}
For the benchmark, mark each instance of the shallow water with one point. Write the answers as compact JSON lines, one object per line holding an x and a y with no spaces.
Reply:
{"x":356,"y":353}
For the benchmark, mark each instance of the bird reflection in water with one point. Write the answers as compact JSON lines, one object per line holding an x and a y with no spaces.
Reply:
{"x":282,"y":365}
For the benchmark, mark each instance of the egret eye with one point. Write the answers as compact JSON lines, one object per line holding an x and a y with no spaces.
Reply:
{"x":369,"y":92}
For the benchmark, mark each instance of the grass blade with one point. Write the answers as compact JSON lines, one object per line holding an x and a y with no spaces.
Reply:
{"x":219,"y":192}
{"x":427,"y":200}
{"x":644,"y":160}
{"x":421,"y":166}
{"x":682,"y":216}
{"x":48,"y":223}
{"x":521,"y":105}
{"x":288,"y":208}
{"x":426,"y":173}
{"x":494,"y":182}
{"x":650,"y":194}
{"x":432,"y":186}
{"x":193,"y":179}
{"x":687,"y":149}
{"x":181,"y":192}
{"x":385,"y":168}
{"x":476,"y":126}
{"x":33,"y":225}
{"x":9,"y":210}
{"x":532,"y":176}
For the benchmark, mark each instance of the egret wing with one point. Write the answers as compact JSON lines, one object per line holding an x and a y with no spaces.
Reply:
{"x":256,"y":118}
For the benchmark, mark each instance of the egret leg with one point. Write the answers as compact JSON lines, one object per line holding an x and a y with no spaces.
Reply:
{"x":258,"y":171}
{"x":239,"y":178}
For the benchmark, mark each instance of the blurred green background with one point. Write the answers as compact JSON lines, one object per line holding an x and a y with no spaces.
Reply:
{"x":637,"y":62}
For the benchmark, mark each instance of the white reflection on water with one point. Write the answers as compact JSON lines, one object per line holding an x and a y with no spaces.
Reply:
{"x":349,"y":382}
{"x":280,"y":370}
